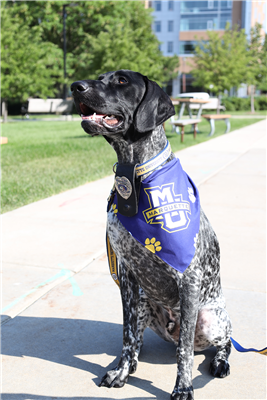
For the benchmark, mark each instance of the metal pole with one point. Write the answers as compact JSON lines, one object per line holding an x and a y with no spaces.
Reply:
{"x":64,"y":50}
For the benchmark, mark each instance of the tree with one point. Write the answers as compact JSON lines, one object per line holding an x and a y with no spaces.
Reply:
{"x":101,"y":36}
{"x":29,"y":66}
{"x":220,"y":63}
{"x":263,"y":59}
{"x":256,"y":69}
{"x":119,"y":47}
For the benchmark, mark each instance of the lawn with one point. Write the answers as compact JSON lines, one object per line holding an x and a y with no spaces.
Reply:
{"x":45,"y":158}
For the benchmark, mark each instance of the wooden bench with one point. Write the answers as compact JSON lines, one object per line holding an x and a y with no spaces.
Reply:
{"x":184,"y":122}
{"x":212,"y":117}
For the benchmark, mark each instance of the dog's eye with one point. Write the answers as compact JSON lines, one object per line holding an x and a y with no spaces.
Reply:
{"x":122,"y":81}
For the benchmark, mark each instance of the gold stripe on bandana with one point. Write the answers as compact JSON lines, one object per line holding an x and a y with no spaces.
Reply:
{"x":112,"y":262}
{"x":155,"y":162}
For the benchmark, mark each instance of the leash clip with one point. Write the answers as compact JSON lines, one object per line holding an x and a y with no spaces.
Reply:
{"x":115,"y":165}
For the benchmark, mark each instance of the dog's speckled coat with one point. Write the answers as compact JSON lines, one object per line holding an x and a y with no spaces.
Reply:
{"x":187,"y":309}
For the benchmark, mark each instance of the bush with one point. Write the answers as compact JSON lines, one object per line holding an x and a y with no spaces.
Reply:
{"x":262,"y":101}
{"x":243,"y":104}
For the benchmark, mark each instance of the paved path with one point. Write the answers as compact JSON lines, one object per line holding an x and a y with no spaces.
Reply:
{"x":61,"y":310}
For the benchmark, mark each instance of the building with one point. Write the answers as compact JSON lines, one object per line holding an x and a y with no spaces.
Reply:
{"x":179,"y":24}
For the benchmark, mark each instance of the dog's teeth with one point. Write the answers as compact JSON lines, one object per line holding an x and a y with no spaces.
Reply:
{"x":94,"y":116}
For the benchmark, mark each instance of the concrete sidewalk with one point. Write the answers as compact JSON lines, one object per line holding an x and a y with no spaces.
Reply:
{"x":61,"y":310}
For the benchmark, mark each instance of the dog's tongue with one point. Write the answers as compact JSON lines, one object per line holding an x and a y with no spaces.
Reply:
{"x":111,"y":120}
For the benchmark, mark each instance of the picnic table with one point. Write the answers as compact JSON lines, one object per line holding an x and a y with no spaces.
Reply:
{"x":186,"y":102}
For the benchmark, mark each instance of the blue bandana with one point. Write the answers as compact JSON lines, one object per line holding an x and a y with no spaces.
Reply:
{"x":167,"y":222}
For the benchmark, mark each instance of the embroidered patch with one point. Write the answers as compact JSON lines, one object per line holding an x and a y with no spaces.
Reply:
{"x":114,"y":207}
{"x":167,"y":209}
{"x":152,"y":245}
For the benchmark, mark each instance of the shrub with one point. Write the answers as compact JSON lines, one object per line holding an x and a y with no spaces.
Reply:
{"x":243,"y":104}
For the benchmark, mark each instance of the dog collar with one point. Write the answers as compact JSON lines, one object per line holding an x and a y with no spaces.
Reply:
{"x":155,"y":162}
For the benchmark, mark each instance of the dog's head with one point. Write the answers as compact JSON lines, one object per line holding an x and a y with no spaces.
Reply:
{"x":120,"y":100}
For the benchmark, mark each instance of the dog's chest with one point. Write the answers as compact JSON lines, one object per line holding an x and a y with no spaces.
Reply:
{"x":158,"y":280}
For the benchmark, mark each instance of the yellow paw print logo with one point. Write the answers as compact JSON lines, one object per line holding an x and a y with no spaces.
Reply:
{"x":114,"y":208}
{"x":152,"y":245}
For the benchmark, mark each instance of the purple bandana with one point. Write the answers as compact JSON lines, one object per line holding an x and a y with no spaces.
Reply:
{"x":167,"y":222}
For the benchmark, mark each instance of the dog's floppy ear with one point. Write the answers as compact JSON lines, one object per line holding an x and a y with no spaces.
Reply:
{"x":155,"y":108}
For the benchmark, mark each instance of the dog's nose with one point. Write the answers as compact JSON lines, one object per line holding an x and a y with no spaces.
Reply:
{"x":79,"y":86}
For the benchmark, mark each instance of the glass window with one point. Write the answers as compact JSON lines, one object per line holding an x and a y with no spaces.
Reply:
{"x":226,"y":4}
{"x":198,"y":6}
{"x":157,"y":5}
{"x":170,"y":6}
{"x":158,"y":26}
{"x":170,"y":26}
{"x":225,"y":17}
{"x":170,"y":47}
{"x":197,"y":22}
{"x":210,"y":25}
{"x":210,"y":4}
{"x":187,"y":47}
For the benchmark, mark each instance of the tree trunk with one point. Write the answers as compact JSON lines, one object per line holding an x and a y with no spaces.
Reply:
{"x":4,"y":111}
{"x":252,"y":98}
{"x":218,"y":104}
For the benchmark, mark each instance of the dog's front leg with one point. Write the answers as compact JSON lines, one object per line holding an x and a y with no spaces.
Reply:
{"x":189,"y":289}
{"x":130,"y":296}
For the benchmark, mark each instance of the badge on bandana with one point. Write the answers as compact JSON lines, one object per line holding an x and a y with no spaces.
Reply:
{"x":167,"y":222}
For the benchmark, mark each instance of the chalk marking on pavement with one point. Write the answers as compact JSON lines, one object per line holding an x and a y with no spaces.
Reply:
{"x":26,"y":300}
{"x":64,"y":272}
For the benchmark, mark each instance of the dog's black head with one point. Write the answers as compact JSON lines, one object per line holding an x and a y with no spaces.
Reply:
{"x":121,"y":100}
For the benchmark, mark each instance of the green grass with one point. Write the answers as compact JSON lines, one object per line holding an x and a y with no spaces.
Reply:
{"x":45,"y":158}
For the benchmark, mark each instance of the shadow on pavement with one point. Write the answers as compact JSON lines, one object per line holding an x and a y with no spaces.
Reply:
{"x":61,"y":341}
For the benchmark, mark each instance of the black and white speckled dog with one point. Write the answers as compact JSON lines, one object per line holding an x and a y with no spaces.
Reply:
{"x":187,"y":308}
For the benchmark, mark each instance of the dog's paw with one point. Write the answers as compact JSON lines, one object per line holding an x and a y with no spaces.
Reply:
{"x":219,"y":368}
{"x":133,"y":366}
{"x":152,"y":245}
{"x":114,"y":378}
{"x":183,"y":394}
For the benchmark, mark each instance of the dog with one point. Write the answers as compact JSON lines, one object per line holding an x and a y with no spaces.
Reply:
{"x":184,"y":304}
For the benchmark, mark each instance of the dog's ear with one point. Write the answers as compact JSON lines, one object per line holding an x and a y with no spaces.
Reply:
{"x":155,"y":108}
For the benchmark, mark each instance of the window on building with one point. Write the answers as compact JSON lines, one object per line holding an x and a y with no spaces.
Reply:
{"x":158,"y":26}
{"x":225,"y":17}
{"x":170,"y":5}
{"x":170,"y":26}
{"x":157,"y":5}
{"x":210,"y":4}
{"x":199,"y":22}
{"x":187,"y":47}
{"x":209,"y":25}
{"x":199,"y":6}
{"x":170,"y":47}
{"x":226,"y":4}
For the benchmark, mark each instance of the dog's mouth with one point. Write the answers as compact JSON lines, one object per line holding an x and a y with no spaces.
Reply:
{"x":108,"y":121}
